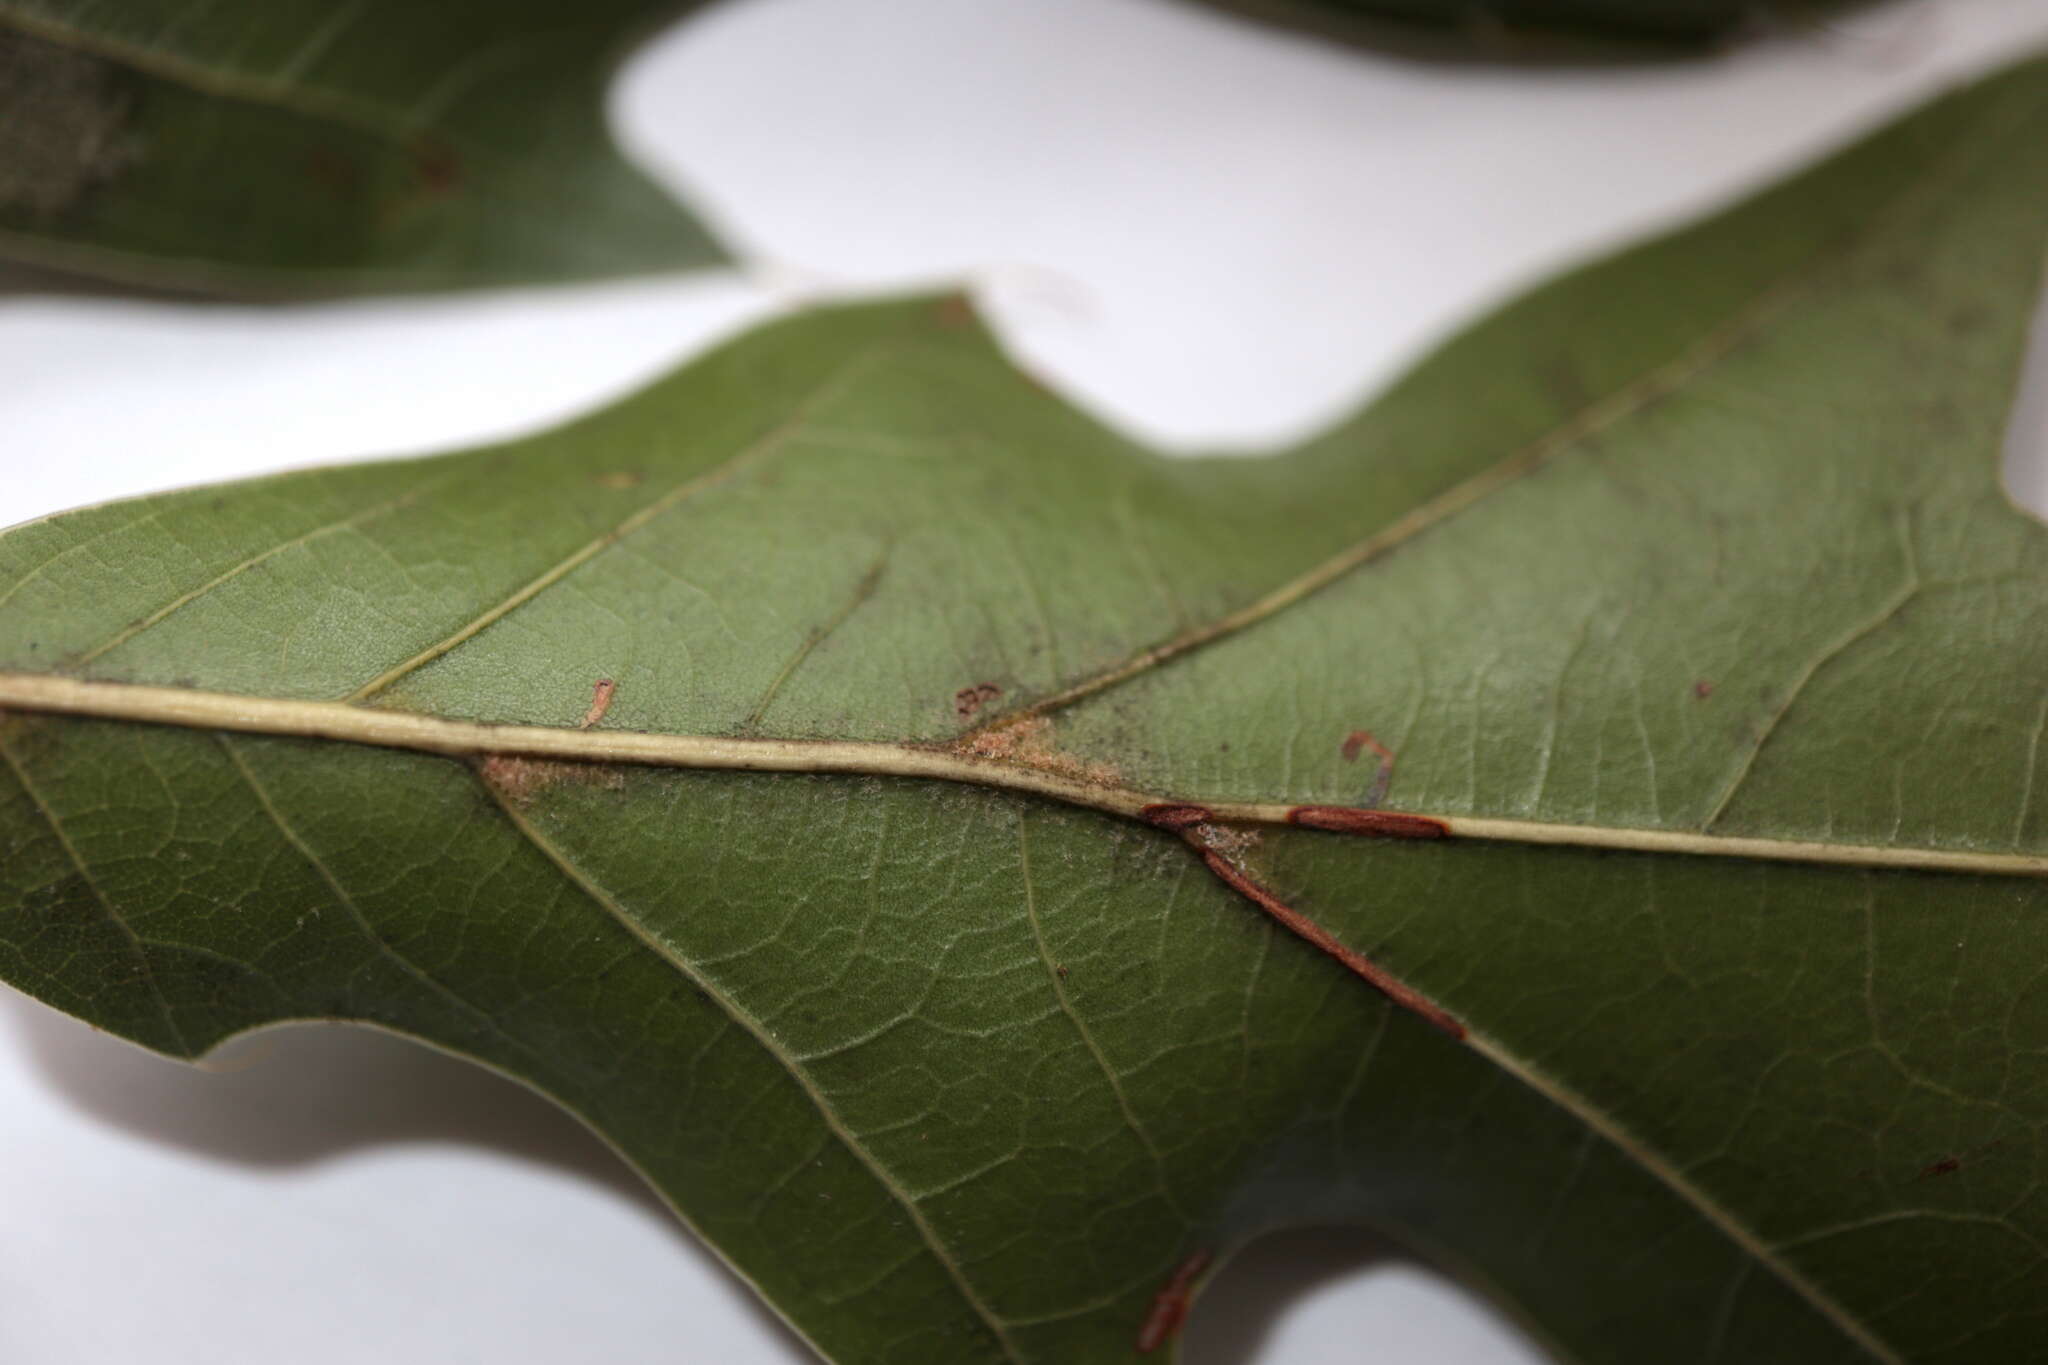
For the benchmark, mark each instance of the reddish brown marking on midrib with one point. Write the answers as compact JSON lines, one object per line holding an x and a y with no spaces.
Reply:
{"x":1401,"y":994}
{"x":1175,"y":814}
{"x":1351,"y":820}
{"x":1170,"y":1304}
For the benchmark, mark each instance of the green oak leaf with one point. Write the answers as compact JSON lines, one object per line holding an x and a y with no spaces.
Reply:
{"x":851,"y":779}
{"x":280,"y":147}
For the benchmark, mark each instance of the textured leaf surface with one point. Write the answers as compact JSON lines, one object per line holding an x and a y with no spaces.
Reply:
{"x":1683,"y":590}
{"x":302,"y":146}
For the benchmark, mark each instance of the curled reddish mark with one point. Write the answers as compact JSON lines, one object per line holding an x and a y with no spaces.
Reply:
{"x":1170,"y":1304}
{"x":1703,"y":689}
{"x":600,"y":702}
{"x":968,"y":700}
{"x":1175,"y":815}
{"x":1359,"y":740}
{"x":1378,"y":977}
{"x":1385,"y":823}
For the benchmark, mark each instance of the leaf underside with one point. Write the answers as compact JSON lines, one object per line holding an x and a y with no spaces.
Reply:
{"x":1705,"y":541}
{"x":295,"y":147}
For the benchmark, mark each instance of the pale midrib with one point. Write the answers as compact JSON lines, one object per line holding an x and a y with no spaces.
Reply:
{"x":767,"y":1041}
{"x":462,"y":739}
{"x":346,"y":723}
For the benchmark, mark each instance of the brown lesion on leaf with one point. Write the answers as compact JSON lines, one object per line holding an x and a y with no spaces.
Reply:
{"x":64,"y":119}
{"x":520,"y":780}
{"x":619,"y":480}
{"x":969,"y":700}
{"x":1175,"y":815}
{"x":1357,"y":742}
{"x":1199,"y":826}
{"x":1952,"y":1162}
{"x":1028,"y":742}
{"x":436,"y":174}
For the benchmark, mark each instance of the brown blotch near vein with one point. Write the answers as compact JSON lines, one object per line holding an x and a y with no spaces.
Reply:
{"x":520,"y":780}
{"x":1956,"y":1161}
{"x":1028,"y":742}
{"x":969,"y":700}
{"x":1175,"y":815}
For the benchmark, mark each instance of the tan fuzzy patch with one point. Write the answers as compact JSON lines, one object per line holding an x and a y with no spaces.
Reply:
{"x":1230,"y":842}
{"x":1028,"y":741}
{"x":520,"y":780}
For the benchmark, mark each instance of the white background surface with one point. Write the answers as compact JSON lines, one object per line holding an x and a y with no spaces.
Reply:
{"x":1210,"y":233}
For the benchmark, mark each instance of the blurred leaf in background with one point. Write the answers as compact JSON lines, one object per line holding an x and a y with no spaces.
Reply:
{"x":276,"y":148}
{"x":1542,"y":29}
